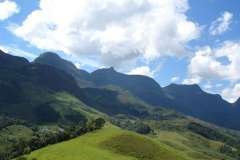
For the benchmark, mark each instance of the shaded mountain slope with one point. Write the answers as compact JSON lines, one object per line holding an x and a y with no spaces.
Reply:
{"x":82,"y":77}
{"x":140,"y":86}
{"x":27,"y":91}
{"x":30,"y":88}
{"x":192,"y":100}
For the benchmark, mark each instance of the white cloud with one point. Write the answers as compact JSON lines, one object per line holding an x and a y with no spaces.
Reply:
{"x":175,"y":79}
{"x":221,"y":24}
{"x":143,"y":70}
{"x":207,"y":64}
{"x":7,"y":9}
{"x":112,"y":32}
{"x":219,"y":63}
{"x":232,"y":93}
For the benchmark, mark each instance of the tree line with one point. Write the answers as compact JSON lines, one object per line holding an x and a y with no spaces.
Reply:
{"x":43,"y":138}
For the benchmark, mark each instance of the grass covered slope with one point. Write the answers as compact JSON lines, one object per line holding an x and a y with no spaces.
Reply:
{"x":192,"y":145}
{"x":86,"y":147}
{"x":112,"y":143}
{"x":109,"y":143}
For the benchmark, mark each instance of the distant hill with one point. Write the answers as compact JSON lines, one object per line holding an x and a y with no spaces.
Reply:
{"x":192,"y":100}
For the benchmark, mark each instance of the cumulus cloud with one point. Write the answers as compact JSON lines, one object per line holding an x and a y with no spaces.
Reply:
{"x":7,"y":9}
{"x":217,"y":63}
{"x":221,"y":24}
{"x":208,"y":64}
{"x":111,"y":31}
{"x":232,"y":93}
{"x":143,"y":70}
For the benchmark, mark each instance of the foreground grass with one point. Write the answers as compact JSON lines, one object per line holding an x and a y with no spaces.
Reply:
{"x":192,"y":146}
{"x":85,"y":147}
{"x":109,"y":143}
{"x":112,"y":143}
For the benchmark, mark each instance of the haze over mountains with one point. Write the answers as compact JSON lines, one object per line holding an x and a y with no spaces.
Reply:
{"x":187,"y":99}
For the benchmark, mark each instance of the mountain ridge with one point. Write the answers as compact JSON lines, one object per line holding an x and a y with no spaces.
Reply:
{"x":209,"y":107}
{"x":188,"y":99}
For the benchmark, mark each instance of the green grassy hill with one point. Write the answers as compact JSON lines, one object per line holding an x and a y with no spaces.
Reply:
{"x":112,"y":143}
{"x":109,"y":143}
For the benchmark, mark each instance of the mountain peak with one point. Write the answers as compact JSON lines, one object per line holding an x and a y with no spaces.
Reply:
{"x":54,"y":60}
{"x":109,"y":70}
{"x":194,"y":87}
{"x":191,"y":87}
{"x":51,"y":58}
{"x":50,"y":55}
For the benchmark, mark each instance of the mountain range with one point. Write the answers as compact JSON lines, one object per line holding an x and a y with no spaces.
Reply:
{"x":188,"y":99}
{"x":50,"y":100}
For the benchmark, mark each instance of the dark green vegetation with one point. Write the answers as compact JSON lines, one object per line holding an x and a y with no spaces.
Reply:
{"x":50,"y":101}
{"x":212,"y":108}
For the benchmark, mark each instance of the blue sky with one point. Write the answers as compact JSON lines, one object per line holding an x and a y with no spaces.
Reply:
{"x":173,"y":41}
